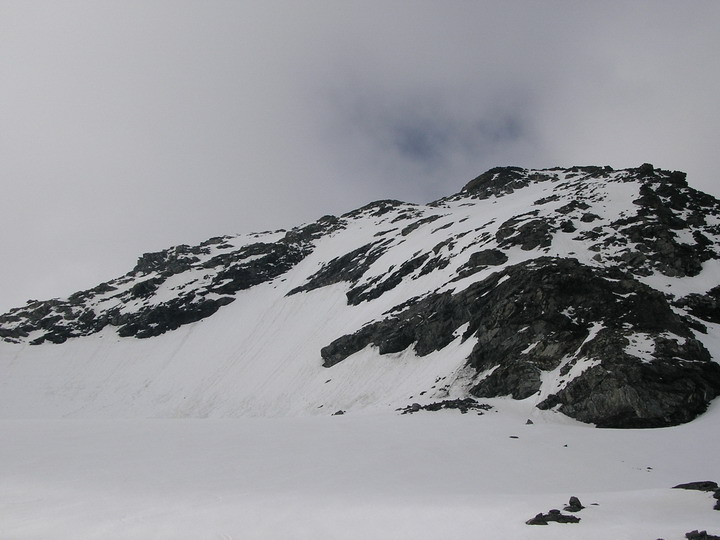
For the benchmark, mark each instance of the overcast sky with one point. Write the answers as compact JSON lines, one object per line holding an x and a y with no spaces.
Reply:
{"x":131,"y":126}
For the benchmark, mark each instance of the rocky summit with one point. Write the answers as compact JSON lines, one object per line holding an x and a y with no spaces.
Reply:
{"x":585,"y":291}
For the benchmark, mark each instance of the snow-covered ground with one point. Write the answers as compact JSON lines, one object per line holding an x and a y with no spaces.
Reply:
{"x":223,"y":428}
{"x":357,"y":476}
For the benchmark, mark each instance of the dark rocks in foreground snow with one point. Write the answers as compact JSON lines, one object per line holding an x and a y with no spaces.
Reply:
{"x":574,"y":505}
{"x":552,"y":516}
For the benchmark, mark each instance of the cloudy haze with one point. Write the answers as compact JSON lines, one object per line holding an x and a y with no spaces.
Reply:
{"x":131,"y":126}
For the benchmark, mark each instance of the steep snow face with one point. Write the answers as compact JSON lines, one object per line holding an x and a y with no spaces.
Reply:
{"x":397,"y":303}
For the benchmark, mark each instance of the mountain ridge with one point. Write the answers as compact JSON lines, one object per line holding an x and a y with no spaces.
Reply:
{"x":498,"y":272}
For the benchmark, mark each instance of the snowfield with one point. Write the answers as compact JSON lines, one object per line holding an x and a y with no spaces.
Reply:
{"x":358,"y":476}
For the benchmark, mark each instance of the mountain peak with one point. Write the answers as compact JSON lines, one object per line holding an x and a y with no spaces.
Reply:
{"x":587,"y":290}
{"x":499,"y":181}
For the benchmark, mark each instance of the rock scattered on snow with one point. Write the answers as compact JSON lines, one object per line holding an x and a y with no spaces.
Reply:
{"x":463,"y":405}
{"x":701,"y":535}
{"x":552,"y":515}
{"x":574,"y":505}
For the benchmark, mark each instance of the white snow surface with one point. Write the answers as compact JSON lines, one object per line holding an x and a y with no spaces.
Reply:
{"x":422,"y":476}
{"x":222,"y":429}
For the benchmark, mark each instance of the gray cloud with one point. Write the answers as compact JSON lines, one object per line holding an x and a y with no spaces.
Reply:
{"x":131,"y":126}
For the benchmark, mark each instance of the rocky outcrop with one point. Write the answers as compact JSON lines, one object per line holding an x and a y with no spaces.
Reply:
{"x":497,"y":181}
{"x":703,"y":306}
{"x":133,"y":304}
{"x":377,"y":287}
{"x":462,"y":405}
{"x":349,"y":267}
{"x":525,"y":232}
{"x":577,"y":322}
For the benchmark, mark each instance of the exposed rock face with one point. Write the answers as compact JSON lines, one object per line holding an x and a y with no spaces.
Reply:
{"x":497,"y":181}
{"x":703,"y":485}
{"x":564,"y":280}
{"x":556,"y":315}
{"x":349,"y":267}
{"x":216,"y":270}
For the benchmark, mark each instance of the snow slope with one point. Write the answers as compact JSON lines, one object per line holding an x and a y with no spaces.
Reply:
{"x":260,"y":355}
{"x":223,"y":428}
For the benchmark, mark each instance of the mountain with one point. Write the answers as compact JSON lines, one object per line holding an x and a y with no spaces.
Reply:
{"x":585,"y":291}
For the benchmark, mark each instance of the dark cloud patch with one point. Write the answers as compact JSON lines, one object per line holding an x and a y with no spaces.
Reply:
{"x":419,"y":142}
{"x":433,"y":141}
{"x":425,"y":139}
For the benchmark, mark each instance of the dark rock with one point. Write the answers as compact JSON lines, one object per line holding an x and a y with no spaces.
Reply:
{"x":703,"y":306}
{"x":646,"y":169}
{"x":574,"y":505}
{"x":552,"y":516}
{"x":651,"y":229}
{"x":349,"y":267}
{"x":441,"y":227}
{"x":376,"y":208}
{"x":700,"y":535}
{"x":169,"y":316}
{"x":488,"y":257}
{"x":170,"y":261}
{"x":144,"y":289}
{"x":564,"y":518}
{"x":539,"y":519}
{"x":481,"y":260}
{"x":436,"y":263}
{"x":567,"y":226}
{"x":372,"y":290}
{"x":410,"y":228}
{"x":545,"y":200}
{"x":528,"y":234}
{"x":704,"y":485}
{"x":255,"y":264}
{"x":306,"y":234}
{"x":573,"y":206}
{"x":463,"y":405}
{"x":497,"y":181}
{"x":589,"y":217}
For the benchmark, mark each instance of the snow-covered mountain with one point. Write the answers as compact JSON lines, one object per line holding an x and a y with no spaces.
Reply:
{"x":587,"y":291}
{"x":531,"y":299}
